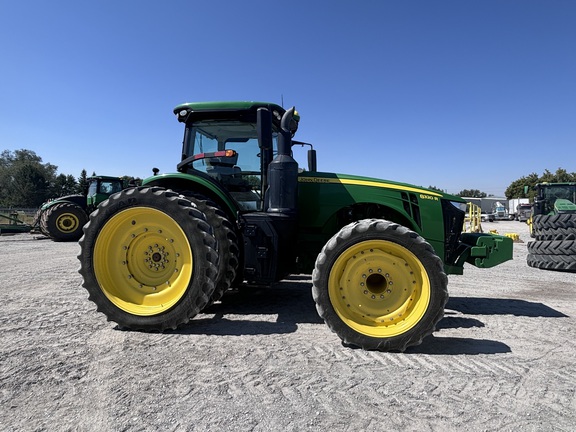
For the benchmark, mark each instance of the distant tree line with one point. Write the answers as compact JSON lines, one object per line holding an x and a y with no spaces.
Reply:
{"x":469,"y":193}
{"x":523,"y":187}
{"x":26,"y":181}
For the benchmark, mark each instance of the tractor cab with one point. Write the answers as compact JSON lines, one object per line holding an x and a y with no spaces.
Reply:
{"x":234,"y":144}
{"x":229,"y":153}
{"x":555,"y":198}
{"x":100,"y":188}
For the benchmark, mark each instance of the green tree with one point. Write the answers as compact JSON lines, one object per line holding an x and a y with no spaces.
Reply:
{"x":471,"y":193}
{"x":82,"y":182}
{"x":436,"y":189}
{"x":129,"y":181}
{"x":64,"y":185}
{"x":24,"y":179}
{"x":517,"y":187}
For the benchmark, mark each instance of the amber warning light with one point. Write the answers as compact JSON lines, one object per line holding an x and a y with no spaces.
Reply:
{"x":221,"y":153}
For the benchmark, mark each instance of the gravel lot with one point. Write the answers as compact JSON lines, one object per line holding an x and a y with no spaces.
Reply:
{"x":501,"y":360}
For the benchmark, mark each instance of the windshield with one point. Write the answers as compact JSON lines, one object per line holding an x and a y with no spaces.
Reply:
{"x":212,"y":136}
{"x":110,"y":187}
{"x":240,"y":174}
{"x":567,"y":192}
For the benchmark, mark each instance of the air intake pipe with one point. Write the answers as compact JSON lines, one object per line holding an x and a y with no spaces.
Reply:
{"x":282,"y":191}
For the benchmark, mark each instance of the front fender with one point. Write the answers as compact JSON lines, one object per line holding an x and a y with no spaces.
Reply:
{"x":205,"y":186}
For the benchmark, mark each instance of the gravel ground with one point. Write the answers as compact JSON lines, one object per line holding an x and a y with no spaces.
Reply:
{"x":501,"y":360}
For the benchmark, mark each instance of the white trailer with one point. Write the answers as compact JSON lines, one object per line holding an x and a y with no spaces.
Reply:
{"x":514,"y":206}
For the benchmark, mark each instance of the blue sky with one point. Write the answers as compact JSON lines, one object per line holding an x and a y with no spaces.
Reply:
{"x":453,"y":94}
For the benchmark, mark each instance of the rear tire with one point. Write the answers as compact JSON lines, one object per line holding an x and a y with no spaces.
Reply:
{"x":148,"y":259}
{"x":63,"y":221}
{"x":227,"y":243}
{"x":379,"y":286}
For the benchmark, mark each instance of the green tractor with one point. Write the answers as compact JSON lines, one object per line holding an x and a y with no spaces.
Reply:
{"x":62,"y":218}
{"x":553,"y":226}
{"x":239,"y":210}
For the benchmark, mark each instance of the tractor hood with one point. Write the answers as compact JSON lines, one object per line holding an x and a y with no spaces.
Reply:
{"x":564,"y":206}
{"x":346,"y":179}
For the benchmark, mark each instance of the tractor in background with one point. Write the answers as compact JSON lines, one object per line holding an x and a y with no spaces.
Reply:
{"x":62,"y":218}
{"x":553,"y":226}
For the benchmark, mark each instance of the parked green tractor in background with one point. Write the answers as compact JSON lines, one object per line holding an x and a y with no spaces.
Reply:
{"x":62,"y":218}
{"x":553,"y":225}
{"x":239,"y":210}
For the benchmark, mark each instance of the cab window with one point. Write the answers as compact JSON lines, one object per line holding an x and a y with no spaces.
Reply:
{"x":239,"y":174}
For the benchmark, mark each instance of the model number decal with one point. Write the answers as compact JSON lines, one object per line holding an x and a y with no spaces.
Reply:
{"x":428,"y":197}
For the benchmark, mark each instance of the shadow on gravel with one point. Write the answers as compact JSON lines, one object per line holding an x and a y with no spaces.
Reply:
{"x":290,"y":300}
{"x":219,"y":326}
{"x":436,"y":344}
{"x":457,"y":322}
{"x":491,"y":306}
{"x":458,"y":346}
{"x":291,"y":303}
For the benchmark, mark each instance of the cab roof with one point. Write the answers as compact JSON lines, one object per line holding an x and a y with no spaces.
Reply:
{"x":189,"y":110}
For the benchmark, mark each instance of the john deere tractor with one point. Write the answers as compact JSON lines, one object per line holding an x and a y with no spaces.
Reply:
{"x":62,"y":218}
{"x":239,"y":210}
{"x":553,"y":225}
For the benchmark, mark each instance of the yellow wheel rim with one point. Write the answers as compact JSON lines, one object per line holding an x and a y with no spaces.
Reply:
{"x":143,"y":261}
{"x":379,"y":288}
{"x":67,"y":222}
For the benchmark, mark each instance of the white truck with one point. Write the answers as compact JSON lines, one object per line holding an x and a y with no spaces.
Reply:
{"x":519,"y":209}
{"x":499,"y":211}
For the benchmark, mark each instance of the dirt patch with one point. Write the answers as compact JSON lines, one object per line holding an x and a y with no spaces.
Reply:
{"x":502,"y":358}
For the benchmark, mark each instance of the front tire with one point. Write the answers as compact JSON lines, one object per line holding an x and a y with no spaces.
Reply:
{"x":148,"y":259}
{"x":379,"y":286}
